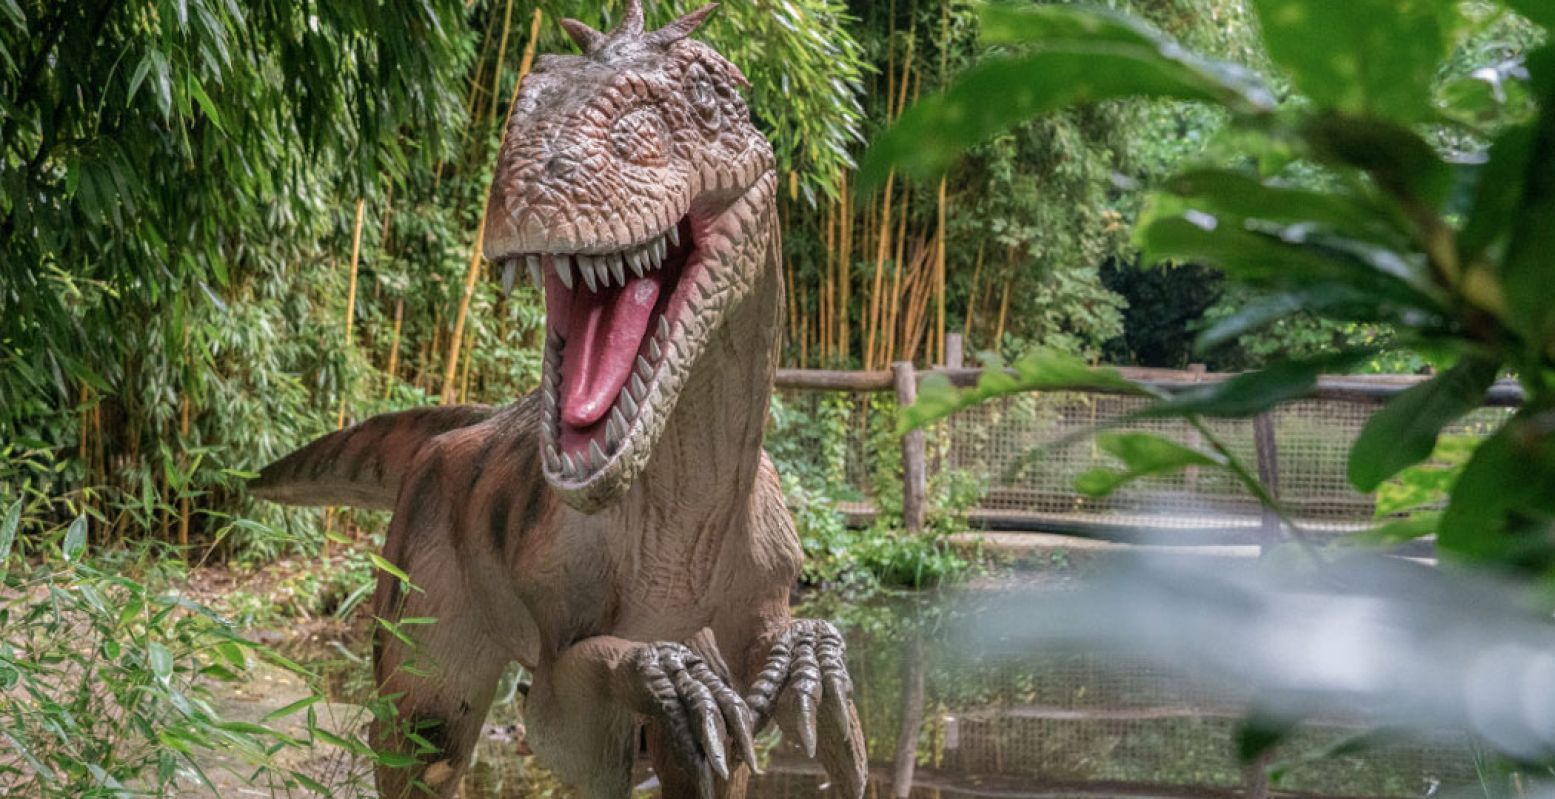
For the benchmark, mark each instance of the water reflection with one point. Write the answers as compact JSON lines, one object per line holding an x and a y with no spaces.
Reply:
{"x":1055,"y":724}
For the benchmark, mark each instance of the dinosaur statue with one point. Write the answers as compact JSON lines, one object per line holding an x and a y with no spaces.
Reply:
{"x":619,"y":532}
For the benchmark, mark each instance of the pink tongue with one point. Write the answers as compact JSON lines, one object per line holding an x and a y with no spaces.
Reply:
{"x":603,"y":334}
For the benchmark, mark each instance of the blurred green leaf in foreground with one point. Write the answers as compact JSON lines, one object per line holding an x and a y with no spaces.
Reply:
{"x":1453,"y":247}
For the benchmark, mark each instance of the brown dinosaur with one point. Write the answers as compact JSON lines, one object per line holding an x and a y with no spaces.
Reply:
{"x":620,"y":531}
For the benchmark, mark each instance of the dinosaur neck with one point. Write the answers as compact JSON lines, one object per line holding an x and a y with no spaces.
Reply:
{"x":706,"y":459}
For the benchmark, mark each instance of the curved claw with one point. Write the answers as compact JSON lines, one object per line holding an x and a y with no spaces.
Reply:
{"x":807,"y":669}
{"x":804,"y":678}
{"x":736,"y":716}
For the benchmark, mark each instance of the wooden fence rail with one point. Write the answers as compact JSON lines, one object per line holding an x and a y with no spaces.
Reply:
{"x":903,"y":380}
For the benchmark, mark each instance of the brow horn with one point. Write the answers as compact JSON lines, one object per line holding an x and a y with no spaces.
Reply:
{"x":586,"y":37}
{"x":680,"y":28}
{"x":632,"y":23}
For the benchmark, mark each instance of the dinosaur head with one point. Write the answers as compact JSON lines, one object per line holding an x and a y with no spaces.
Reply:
{"x":625,"y":186}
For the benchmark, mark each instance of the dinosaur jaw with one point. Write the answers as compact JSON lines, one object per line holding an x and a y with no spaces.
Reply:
{"x":624,"y":330}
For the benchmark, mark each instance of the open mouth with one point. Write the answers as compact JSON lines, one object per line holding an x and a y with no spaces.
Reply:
{"x":610,"y":317}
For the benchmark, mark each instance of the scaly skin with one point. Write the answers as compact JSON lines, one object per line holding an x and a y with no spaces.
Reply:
{"x":619,"y":532}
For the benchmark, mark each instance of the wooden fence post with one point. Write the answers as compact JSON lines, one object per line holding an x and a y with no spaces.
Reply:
{"x":954,"y":359}
{"x":914,"y":482}
{"x":1268,"y":453}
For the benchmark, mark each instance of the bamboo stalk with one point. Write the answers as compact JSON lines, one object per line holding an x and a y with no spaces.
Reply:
{"x":828,"y":293}
{"x":844,"y":266}
{"x":939,"y":278}
{"x":883,"y":242}
{"x":394,"y":347}
{"x":793,"y":295}
{"x":388,"y":213}
{"x":356,"y":252}
{"x":890,"y":61}
{"x":457,"y":340}
{"x":893,"y":308}
{"x":971,"y":297}
{"x":806,"y":326}
{"x":502,"y":53}
{"x":183,"y":501}
{"x":1004,"y":310}
{"x":464,"y":379}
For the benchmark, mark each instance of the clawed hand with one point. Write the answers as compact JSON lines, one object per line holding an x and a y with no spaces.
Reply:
{"x":697,"y":708}
{"x":804,"y":685}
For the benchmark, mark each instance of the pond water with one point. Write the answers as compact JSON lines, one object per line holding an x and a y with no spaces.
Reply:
{"x":1046,"y":724}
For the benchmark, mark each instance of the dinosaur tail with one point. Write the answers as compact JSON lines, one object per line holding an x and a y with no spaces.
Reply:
{"x":360,"y":466}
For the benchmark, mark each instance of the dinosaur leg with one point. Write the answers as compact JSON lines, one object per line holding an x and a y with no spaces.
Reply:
{"x":804,"y":686}
{"x":583,"y":712}
{"x":441,"y":686}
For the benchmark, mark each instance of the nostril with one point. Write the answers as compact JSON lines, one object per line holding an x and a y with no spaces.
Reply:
{"x":559,"y":167}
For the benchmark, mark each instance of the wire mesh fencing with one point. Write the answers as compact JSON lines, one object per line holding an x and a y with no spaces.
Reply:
{"x":1023,"y":453}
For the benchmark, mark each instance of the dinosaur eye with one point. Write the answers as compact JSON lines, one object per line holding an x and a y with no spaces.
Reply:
{"x":639,"y":138}
{"x":703,"y":98}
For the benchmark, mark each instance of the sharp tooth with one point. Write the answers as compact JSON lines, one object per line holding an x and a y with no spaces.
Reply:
{"x":509,"y":271}
{"x":658,"y":247}
{"x":674,"y":235}
{"x":534,"y":268}
{"x":614,"y":430}
{"x":626,"y":402}
{"x":634,"y":259}
{"x":639,"y":390}
{"x":654,"y":350}
{"x":602,"y":270}
{"x":552,"y":462}
{"x":616,"y":262}
{"x":568,"y":468}
{"x":619,"y":420}
{"x":563,"y":270}
{"x":644,"y":368}
{"x":596,"y":455}
{"x":664,"y":327}
{"x":655,"y":259}
{"x":586,"y":268}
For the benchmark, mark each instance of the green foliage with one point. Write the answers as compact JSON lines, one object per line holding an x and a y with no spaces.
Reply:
{"x":1393,"y":232}
{"x":811,"y":452}
{"x":106,"y":680}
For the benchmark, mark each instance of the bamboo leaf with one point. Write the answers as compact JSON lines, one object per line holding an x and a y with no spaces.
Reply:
{"x":8,"y":526}
{"x":160,"y":659}
{"x":384,"y":564}
{"x":300,"y":704}
{"x":75,"y":539}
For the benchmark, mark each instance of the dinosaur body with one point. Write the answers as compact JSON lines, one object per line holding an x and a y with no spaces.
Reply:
{"x":620,"y":531}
